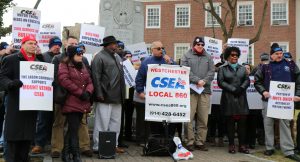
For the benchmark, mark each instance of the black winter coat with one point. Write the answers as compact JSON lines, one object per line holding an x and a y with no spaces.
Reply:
{"x":19,"y":125}
{"x":230,"y":80}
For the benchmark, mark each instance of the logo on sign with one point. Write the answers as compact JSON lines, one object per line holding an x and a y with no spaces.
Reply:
{"x":38,"y":68}
{"x":48,"y":26}
{"x":29,"y":12}
{"x":284,"y":86}
{"x":166,"y":82}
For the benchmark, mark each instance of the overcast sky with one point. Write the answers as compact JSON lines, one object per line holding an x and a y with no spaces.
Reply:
{"x":68,"y":12}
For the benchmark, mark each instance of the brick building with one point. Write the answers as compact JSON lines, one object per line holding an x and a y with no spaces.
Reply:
{"x":177,"y":22}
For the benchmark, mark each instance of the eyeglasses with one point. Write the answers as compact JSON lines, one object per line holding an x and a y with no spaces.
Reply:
{"x":234,"y":55}
{"x":200,"y":44}
{"x":159,"y":48}
{"x":79,"y":54}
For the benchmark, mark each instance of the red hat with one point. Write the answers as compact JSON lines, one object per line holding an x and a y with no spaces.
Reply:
{"x":28,"y":38}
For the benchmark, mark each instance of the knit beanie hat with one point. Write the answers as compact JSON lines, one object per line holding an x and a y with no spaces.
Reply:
{"x":73,"y":50}
{"x":55,"y":41}
{"x":275,"y":48}
{"x":198,"y":40}
{"x":3,"y":45}
{"x":264,"y":57}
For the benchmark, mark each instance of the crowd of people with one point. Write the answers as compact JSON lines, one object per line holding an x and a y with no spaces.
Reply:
{"x":101,"y":86}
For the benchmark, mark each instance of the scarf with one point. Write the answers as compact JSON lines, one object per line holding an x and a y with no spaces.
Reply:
{"x":198,"y":52}
{"x":26,"y":57}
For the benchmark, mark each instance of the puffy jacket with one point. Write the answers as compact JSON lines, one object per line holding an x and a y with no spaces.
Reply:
{"x":229,"y":80}
{"x":76,"y":82}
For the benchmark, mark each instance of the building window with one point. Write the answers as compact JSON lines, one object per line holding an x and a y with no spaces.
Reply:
{"x":250,"y":59}
{"x":180,"y":49}
{"x":211,"y":21}
{"x":283,"y":45}
{"x":279,"y":12}
{"x":245,"y":13}
{"x":149,"y":49}
{"x":153,"y":16}
{"x":182,"y":15}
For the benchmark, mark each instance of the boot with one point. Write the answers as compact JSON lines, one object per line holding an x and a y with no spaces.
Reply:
{"x":220,"y":142}
{"x":76,"y":157}
{"x":65,"y":154}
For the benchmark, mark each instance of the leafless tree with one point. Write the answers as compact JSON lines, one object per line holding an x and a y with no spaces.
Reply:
{"x":230,"y":7}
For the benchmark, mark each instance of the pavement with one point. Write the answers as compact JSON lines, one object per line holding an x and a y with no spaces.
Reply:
{"x":134,"y":154}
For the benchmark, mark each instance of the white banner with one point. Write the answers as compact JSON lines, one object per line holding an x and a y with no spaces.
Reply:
{"x":91,"y":36}
{"x":37,"y":91}
{"x":26,"y":21}
{"x":47,"y":31}
{"x":281,"y":104}
{"x":138,"y":51}
{"x":216,"y":91}
{"x":167,"y":93}
{"x":243,"y":45}
{"x":253,"y":97}
{"x":214,"y":48}
{"x":129,"y":73}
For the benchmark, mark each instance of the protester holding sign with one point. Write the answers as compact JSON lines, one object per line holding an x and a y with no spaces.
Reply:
{"x":234,"y":80}
{"x":141,"y":78}
{"x":201,"y":74}
{"x":19,"y":125}
{"x":45,"y":118}
{"x":283,"y":71}
{"x":74,"y":76}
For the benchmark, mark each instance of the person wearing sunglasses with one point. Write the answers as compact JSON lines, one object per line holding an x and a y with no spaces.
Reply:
{"x":233,"y":79}
{"x":201,"y":74}
{"x":74,"y":76}
{"x":279,"y":69}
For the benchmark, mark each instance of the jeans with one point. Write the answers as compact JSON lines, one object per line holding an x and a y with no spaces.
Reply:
{"x":44,"y":128}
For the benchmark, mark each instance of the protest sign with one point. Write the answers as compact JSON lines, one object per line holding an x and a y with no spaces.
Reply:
{"x":216,"y":91}
{"x":167,"y":93}
{"x":138,"y":51}
{"x":37,"y":91}
{"x":281,"y":104}
{"x":253,"y":97}
{"x":26,"y":21}
{"x":214,"y":48}
{"x":243,"y":45}
{"x":47,"y":31}
{"x":129,"y":73}
{"x":91,"y":36}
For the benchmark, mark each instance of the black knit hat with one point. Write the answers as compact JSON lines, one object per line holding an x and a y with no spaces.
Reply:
{"x":198,"y":40}
{"x":3,"y":45}
{"x":73,"y":50}
{"x":55,"y":41}
{"x":275,"y":48}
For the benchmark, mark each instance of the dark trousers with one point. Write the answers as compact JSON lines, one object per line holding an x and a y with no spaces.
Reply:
{"x":142,"y":127}
{"x":17,"y":151}
{"x":216,"y":122}
{"x":43,"y":128}
{"x":298,"y":132}
{"x":252,"y":125}
{"x":128,"y":118}
{"x":120,"y":138}
{"x":73,"y":120}
{"x":241,"y":129}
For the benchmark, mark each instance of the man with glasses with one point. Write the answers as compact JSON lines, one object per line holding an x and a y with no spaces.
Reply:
{"x":158,"y":57}
{"x":280,"y":70}
{"x":201,"y":74}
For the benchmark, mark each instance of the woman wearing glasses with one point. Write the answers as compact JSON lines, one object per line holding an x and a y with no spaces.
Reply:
{"x":234,"y":80}
{"x":75,"y":78}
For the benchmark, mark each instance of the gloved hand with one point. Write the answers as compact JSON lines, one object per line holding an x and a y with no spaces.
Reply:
{"x":15,"y":84}
{"x":239,"y":90}
{"x":85,"y":96}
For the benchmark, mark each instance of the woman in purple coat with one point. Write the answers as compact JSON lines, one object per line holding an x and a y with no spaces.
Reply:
{"x":76,"y":79}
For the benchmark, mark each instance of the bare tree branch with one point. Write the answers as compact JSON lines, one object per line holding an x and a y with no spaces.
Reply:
{"x":257,"y":36}
{"x":37,"y":4}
